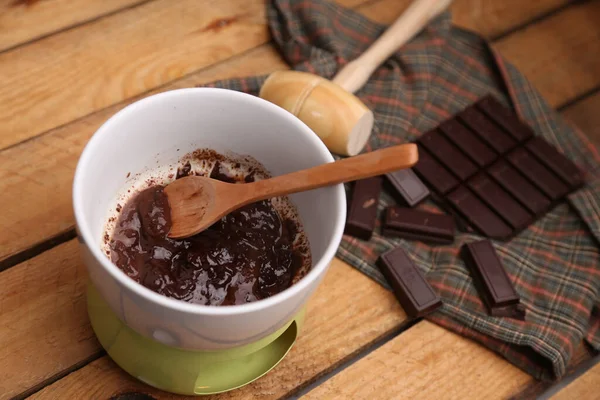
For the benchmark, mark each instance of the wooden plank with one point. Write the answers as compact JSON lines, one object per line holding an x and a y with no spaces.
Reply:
{"x":493,"y":18}
{"x":42,"y":315}
{"x":583,"y":388}
{"x":74,"y":73}
{"x":414,"y":365}
{"x":585,"y":115}
{"x":44,"y":330}
{"x":535,"y":388}
{"x":559,"y":54}
{"x":26,"y":20}
{"x":39,"y":172}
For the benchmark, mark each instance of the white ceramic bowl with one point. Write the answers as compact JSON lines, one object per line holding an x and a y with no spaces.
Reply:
{"x":152,"y":130}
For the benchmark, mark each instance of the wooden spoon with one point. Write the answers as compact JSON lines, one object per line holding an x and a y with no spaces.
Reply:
{"x":197,"y":202}
{"x":329,"y":108}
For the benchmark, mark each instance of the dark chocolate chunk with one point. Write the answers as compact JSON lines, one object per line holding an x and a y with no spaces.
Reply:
{"x":556,"y":161}
{"x":420,"y":225}
{"x":489,"y":274}
{"x":468,"y":142}
{"x":537,"y":173}
{"x":515,"y":311}
{"x":448,"y":154}
{"x":521,"y":189}
{"x":362,"y":212}
{"x":495,"y":137}
{"x":410,"y":287}
{"x":433,"y":173}
{"x":500,"y":201}
{"x":478,"y":214}
{"x":505,"y":117}
{"x":409,"y":188}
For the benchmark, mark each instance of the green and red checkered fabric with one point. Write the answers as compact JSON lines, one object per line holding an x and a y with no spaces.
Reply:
{"x":554,"y":264}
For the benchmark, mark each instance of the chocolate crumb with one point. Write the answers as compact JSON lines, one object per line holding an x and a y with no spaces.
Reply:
{"x":184,"y":171}
{"x":128,"y":175}
{"x":119,"y":208}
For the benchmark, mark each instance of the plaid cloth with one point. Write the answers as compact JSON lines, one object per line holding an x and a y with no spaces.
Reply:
{"x":554,"y":264}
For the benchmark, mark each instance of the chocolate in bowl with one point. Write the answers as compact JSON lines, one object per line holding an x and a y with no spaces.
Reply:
{"x":252,"y":253}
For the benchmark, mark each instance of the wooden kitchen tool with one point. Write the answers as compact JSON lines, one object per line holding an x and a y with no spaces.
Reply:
{"x":330,"y":109}
{"x":197,"y":202}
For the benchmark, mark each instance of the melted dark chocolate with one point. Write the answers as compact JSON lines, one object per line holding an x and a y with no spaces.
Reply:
{"x":248,"y":255}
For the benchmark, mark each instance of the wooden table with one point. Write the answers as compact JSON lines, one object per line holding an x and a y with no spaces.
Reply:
{"x":68,"y":65}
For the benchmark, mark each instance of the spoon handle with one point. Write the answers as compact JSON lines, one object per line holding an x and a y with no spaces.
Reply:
{"x":349,"y":169}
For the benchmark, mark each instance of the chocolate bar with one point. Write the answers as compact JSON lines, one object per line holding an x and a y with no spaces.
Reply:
{"x":564,"y":168}
{"x":486,"y":166}
{"x":478,"y":214}
{"x":521,"y":189}
{"x":362,"y":212}
{"x":500,"y":201}
{"x":537,"y":174}
{"x":490,"y":276}
{"x":418,"y":225}
{"x":468,"y":142}
{"x":495,"y":137}
{"x":434,"y":173}
{"x":408,"y":283}
{"x":409,"y":189}
{"x":448,"y":154}
{"x":505,"y":118}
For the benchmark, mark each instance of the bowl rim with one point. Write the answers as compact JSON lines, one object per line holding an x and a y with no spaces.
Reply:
{"x":85,"y":234}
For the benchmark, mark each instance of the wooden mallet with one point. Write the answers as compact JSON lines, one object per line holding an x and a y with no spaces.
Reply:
{"x":330,"y":109}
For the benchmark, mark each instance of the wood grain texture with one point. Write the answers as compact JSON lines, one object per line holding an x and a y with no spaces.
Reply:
{"x":492,"y":18}
{"x":76,"y":72}
{"x":348,"y":312}
{"x":42,"y":315}
{"x":414,"y":364}
{"x":586,"y":387}
{"x":560,"y":53}
{"x":25,"y":20}
{"x":586,"y":115}
{"x":39,"y":172}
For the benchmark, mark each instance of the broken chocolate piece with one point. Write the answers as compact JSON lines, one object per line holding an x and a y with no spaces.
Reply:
{"x":537,"y":174}
{"x":556,"y":161}
{"x":434,"y":173}
{"x":448,"y":154}
{"x":488,"y":272}
{"x":410,"y":287}
{"x":515,"y":311}
{"x":505,"y":118}
{"x":420,"y":225}
{"x":362,"y":212}
{"x":487,"y":130}
{"x":468,"y":142}
{"x":409,"y":188}
{"x":521,"y":189}
{"x":478,"y":214}
{"x":500,"y":201}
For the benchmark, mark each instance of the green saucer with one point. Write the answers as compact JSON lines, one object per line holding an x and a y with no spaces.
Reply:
{"x":185,"y":371}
